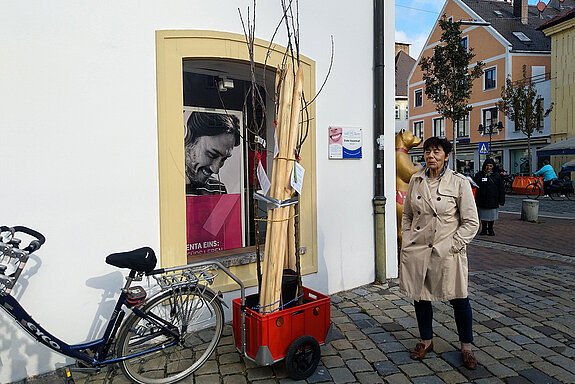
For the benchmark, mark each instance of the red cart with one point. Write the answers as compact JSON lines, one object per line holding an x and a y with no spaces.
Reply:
{"x":294,"y":334}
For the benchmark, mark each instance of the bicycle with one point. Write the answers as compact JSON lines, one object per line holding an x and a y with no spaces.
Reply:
{"x":534,"y":189}
{"x":558,"y":190}
{"x":165,"y":337}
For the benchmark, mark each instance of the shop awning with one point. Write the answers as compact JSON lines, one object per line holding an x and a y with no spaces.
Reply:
{"x":568,"y":166}
{"x":565,"y":147}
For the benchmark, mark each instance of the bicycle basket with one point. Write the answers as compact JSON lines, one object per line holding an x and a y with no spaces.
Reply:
{"x":188,"y":276}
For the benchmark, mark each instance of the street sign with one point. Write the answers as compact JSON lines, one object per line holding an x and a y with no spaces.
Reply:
{"x":484,"y":148}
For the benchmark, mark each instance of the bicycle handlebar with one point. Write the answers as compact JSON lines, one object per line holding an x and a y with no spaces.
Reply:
{"x":34,"y":244}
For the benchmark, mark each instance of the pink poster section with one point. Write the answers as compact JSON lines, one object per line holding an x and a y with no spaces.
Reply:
{"x":214,"y":223}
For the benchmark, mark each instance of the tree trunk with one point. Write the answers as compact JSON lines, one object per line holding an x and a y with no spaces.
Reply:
{"x":454,"y":157}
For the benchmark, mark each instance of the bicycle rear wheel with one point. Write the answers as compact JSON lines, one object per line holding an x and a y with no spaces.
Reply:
{"x":533,"y":191}
{"x":194,"y":314}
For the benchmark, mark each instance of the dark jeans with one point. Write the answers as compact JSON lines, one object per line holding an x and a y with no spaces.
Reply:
{"x":461,"y":312}
{"x":547,"y":186}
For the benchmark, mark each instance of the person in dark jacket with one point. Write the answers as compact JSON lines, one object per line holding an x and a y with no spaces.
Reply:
{"x":489,"y":196}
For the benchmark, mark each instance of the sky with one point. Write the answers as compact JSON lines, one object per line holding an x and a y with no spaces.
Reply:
{"x":414,"y":20}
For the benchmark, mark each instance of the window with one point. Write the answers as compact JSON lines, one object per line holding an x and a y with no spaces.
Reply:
{"x":464,"y":43}
{"x":179,"y":49}
{"x":439,"y":127}
{"x":490,"y":78}
{"x":521,"y":36}
{"x":490,"y":121}
{"x":406,"y":112}
{"x":418,"y":129}
{"x":539,"y":109}
{"x":462,"y":127}
{"x":418,"y":99}
{"x":396,"y":112}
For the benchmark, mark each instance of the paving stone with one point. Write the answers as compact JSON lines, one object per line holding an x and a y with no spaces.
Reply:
{"x":398,"y":378}
{"x":391,"y":347}
{"x":358,"y":365}
{"x":229,"y":358}
{"x":427,"y":380}
{"x":539,"y":350}
{"x":349,"y":354}
{"x":381,"y":337}
{"x":452,"y":377}
{"x":320,"y":375}
{"x":259,"y":373}
{"x":230,"y":369}
{"x":341,"y":344}
{"x":341,"y":375}
{"x":209,"y":366}
{"x":369,"y":378}
{"x":497,"y":352}
{"x":208,"y":379}
{"x":501,"y":370}
{"x":508,"y":345}
{"x":489,"y":380}
{"x":436,"y":364}
{"x":527,"y":356}
{"x":332,"y":361}
{"x":232,"y":379}
{"x":536,"y":376}
{"x":363,"y":344}
{"x":555,"y":371}
{"x":373,"y":355}
{"x":385,"y":368}
{"x":415,"y":369}
{"x":355,"y":335}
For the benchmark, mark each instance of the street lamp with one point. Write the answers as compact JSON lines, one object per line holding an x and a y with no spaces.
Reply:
{"x":490,"y":129}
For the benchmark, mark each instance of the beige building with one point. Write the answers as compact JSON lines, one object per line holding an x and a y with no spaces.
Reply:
{"x":504,"y":37}
{"x":561,"y":30}
{"x":403,"y":67}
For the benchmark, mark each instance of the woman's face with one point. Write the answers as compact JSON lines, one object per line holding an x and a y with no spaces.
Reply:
{"x":488,"y":167}
{"x":435,"y":158}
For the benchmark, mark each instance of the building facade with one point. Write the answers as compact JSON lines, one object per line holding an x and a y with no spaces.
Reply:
{"x":561,"y":30}
{"x":505,"y":38}
{"x":94,"y":106}
{"x":403,"y":67}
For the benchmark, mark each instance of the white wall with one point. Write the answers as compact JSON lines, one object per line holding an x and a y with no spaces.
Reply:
{"x":79,"y":147}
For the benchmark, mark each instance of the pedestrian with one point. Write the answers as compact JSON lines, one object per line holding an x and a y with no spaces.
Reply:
{"x":439,"y":219}
{"x":489,"y":196}
{"x":548,"y":174}
{"x":209,"y":141}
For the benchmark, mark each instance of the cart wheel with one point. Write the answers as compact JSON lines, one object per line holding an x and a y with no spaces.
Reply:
{"x":302,"y":357}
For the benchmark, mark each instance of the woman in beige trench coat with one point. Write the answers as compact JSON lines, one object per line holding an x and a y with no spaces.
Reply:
{"x":439,"y":219}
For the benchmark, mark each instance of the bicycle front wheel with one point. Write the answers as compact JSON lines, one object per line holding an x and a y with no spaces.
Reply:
{"x":194,"y":315}
{"x":533,"y":191}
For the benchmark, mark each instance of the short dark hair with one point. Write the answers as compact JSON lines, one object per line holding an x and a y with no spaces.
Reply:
{"x":545,"y":162}
{"x":211,"y":124}
{"x":438,"y":142}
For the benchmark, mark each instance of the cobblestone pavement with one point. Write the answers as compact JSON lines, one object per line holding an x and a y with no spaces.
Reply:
{"x":523,"y":300}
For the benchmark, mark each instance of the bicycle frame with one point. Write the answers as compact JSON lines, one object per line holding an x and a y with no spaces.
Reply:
{"x":101,"y":347}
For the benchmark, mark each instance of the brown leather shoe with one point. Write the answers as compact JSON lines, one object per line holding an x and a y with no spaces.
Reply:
{"x":419,"y":352}
{"x":469,"y":359}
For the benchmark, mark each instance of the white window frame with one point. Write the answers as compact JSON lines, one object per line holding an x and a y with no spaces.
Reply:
{"x":493,"y":68}
{"x":415,"y":98}
{"x":484,"y":122}
{"x":441,"y":121}
{"x":466,"y":38}
{"x":406,"y":111}
{"x":422,"y":129}
{"x":466,"y":128}
{"x":397,"y":114}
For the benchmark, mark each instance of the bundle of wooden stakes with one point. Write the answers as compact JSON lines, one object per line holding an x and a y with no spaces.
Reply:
{"x":280,"y":244}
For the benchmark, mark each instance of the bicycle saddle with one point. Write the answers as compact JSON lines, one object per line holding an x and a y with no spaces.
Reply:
{"x":141,"y":259}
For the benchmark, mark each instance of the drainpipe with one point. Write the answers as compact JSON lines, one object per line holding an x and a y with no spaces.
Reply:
{"x":379,"y":194}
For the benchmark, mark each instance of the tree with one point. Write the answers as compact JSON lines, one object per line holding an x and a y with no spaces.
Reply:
{"x":448,"y":80}
{"x":522,"y":105}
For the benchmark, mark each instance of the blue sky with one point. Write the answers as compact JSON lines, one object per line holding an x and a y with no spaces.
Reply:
{"x":414,"y":20}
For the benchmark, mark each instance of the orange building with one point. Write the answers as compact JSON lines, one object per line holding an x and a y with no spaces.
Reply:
{"x":504,"y":37}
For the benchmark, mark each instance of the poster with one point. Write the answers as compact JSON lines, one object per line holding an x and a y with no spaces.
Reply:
{"x":345,"y":143}
{"x":214,"y":180}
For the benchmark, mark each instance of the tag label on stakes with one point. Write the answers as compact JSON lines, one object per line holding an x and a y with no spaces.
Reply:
{"x":263,"y":178}
{"x":297,"y":175}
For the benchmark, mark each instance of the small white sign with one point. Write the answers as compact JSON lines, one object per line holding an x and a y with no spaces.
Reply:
{"x":263,"y":178}
{"x":345,"y":143}
{"x":297,"y":175}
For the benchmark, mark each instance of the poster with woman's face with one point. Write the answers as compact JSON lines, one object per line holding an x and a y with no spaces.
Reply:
{"x":214,"y":180}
